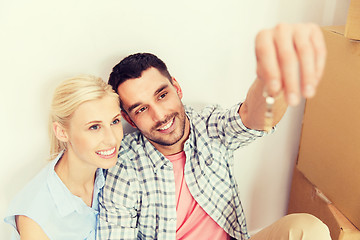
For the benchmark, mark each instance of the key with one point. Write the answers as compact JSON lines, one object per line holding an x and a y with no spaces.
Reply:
{"x":268,"y":121}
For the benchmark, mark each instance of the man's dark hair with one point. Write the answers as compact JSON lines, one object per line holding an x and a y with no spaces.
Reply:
{"x":132,"y":67}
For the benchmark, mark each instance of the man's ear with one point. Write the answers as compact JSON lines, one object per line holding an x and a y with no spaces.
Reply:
{"x":60,"y":132}
{"x":127,"y":118}
{"x":177,"y":86}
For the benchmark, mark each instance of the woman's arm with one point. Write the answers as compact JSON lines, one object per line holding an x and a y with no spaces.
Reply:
{"x":28,"y":229}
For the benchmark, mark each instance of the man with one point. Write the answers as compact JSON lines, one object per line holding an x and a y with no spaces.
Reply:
{"x":173,"y":179}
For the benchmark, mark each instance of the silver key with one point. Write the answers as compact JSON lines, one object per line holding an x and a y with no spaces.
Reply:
{"x":268,"y":122}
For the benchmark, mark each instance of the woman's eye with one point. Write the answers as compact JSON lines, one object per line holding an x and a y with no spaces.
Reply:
{"x":116,"y":121}
{"x":94,"y":127}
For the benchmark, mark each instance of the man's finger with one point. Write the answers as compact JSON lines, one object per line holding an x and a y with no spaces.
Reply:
{"x":288,"y":62}
{"x":317,"y":39}
{"x":306,"y":58}
{"x":267,"y":64}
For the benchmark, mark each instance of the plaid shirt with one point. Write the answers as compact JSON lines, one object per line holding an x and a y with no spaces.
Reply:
{"x":138,"y":200}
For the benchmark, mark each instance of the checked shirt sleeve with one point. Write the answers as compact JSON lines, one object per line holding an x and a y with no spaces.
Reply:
{"x":228,"y":127}
{"x":118,"y":214}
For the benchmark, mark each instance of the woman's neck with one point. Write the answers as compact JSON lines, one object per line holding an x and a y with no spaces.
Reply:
{"x":77,"y":177}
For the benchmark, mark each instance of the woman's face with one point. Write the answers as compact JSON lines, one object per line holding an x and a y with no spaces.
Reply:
{"x":95,"y":132}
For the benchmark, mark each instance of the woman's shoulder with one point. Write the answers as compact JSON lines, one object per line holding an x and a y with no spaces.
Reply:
{"x":38,"y":185}
{"x":33,"y":195}
{"x":38,"y":189}
{"x":33,"y":200}
{"x":49,"y":203}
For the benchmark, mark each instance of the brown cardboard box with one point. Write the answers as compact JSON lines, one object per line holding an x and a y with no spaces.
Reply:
{"x":329,"y":153}
{"x":306,"y":198}
{"x":352,"y":29}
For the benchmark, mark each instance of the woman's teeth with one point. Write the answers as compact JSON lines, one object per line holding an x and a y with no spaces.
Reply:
{"x":106,"y":153}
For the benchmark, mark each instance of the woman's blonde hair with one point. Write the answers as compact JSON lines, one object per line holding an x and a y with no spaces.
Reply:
{"x":67,"y":97}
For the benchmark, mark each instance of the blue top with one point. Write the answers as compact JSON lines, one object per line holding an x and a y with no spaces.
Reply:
{"x":60,"y":214}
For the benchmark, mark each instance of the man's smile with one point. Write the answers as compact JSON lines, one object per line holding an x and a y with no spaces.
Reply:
{"x":167,"y":125}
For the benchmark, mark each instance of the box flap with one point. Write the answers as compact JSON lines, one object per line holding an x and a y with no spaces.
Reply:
{"x":335,"y":29}
{"x":306,"y":198}
{"x":352,"y":30}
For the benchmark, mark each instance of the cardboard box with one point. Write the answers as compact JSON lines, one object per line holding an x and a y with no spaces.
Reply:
{"x":352,"y":29}
{"x":306,"y":198}
{"x":329,"y":153}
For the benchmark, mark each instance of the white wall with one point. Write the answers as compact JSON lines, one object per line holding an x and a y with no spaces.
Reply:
{"x":207,"y":45}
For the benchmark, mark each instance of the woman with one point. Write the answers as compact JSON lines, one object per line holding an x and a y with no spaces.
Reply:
{"x":61,"y":202}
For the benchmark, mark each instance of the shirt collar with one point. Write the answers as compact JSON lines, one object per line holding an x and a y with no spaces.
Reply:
{"x":156,"y":157}
{"x":99,"y":179}
{"x":64,"y":200}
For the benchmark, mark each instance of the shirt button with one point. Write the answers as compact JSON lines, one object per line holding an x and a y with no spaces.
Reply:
{"x":208,"y":161}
